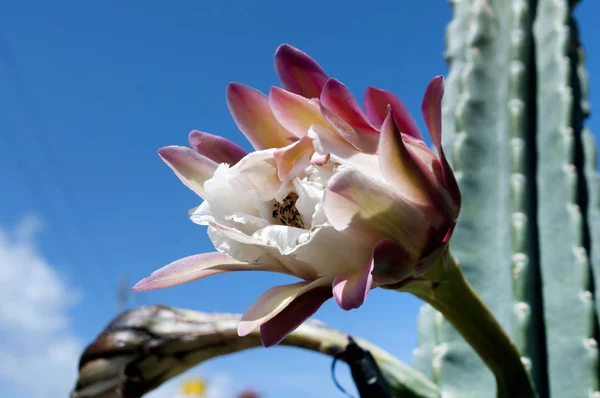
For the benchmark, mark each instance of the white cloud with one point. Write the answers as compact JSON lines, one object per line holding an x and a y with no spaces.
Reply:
{"x":39,"y":350}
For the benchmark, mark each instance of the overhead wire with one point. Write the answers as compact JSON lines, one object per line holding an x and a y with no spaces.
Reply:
{"x":72,"y":243}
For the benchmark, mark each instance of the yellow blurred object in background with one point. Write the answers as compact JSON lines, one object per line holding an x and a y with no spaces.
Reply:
{"x":193,"y":388}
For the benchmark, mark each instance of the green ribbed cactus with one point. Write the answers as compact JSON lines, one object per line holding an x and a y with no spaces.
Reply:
{"x":516,"y":100}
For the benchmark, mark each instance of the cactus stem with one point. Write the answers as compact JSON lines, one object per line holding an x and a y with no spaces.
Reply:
{"x":451,"y":294}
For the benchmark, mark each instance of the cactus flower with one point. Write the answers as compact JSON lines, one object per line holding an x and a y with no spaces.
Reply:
{"x":342,"y":199}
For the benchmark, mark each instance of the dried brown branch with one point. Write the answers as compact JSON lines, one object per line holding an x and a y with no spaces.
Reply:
{"x":144,"y":347}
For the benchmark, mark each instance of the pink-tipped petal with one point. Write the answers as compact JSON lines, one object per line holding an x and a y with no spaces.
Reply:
{"x":252,"y":114}
{"x":271,"y":303}
{"x":350,"y":290}
{"x":294,"y":158}
{"x":298,"y":72}
{"x":338,"y":99}
{"x":432,"y":112}
{"x":364,"y":142}
{"x":370,"y":211}
{"x":219,"y":149}
{"x":298,"y":311}
{"x":399,"y":168}
{"x":294,"y":112}
{"x":451,"y":183}
{"x":410,"y":175}
{"x":340,"y":109}
{"x":194,"y":267}
{"x":327,"y":142}
{"x":432,"y":109}
{"x":376,"y":106}
{"x":192,"y":168}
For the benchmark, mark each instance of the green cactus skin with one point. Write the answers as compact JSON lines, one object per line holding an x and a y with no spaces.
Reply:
{"x":481,"y":161}
{"x":456,"y":44}
{"x":593,"y":211}
{"x":568,"y":303}
{"x":591,"y":179}
{"x":527,"y":323}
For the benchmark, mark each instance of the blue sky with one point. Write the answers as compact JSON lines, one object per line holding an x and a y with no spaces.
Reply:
{"x":90,"y":91}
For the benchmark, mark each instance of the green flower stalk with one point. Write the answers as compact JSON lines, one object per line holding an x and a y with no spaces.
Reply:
{"x":445,"y":288}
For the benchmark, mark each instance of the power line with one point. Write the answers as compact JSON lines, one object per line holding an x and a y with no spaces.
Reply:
{"x":44,"y":148}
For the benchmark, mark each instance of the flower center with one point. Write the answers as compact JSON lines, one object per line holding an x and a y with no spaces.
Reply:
{"x":286,"y":212}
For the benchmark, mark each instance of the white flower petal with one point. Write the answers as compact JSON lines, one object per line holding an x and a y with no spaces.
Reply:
{"x":327,"y":142}
{"x":224,"y":193}
{"x":246,"y":248}
{"x":246,"y":219}
{"x":327,"y":250}
{"x":246,"y":223}
{"x":259,"y":171}
{"x":309,"y":196}
{"x":285,"y":239}
{"x":245,"y":188}
{"x":201,"y":215}
{"x":319,"y":218}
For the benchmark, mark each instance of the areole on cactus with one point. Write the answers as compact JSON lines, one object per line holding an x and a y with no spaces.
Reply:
{"x":324,"y":176}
